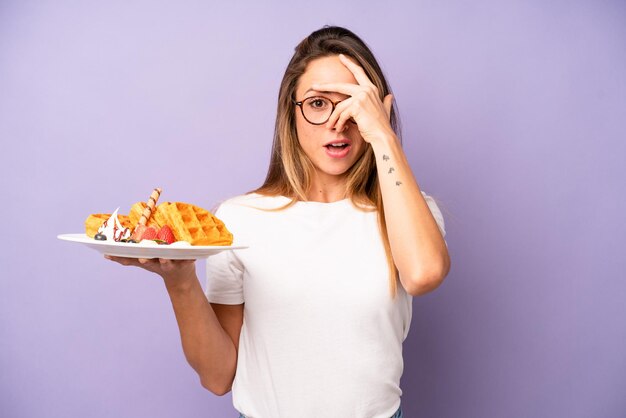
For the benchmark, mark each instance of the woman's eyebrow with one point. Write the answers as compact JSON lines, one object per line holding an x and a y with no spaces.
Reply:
{"x":312,"y":89}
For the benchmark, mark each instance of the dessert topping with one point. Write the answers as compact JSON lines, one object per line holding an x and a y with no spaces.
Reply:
{"x":112,"y":229}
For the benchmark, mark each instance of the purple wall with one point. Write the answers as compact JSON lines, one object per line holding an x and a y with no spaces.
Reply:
{"x":513,"y":119}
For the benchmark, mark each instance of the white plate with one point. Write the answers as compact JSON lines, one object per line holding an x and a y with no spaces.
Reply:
{"x":142,"y":250}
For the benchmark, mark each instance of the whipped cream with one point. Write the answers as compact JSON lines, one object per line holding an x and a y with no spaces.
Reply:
{"x":176,"y":244}
{"x":113,"y":229}
{"x":149,"y":243}
{"x":180,"y":244}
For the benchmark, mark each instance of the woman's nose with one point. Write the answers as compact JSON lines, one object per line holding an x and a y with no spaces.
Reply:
{"x":343,"y":128}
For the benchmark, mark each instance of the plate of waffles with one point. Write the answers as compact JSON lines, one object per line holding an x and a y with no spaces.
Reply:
{"x":179,"y":250}
{"x":172,"y":230}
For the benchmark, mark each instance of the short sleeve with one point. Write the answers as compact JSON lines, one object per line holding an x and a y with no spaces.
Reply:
{"x":224,"y":275}
{"x":434,"y":209}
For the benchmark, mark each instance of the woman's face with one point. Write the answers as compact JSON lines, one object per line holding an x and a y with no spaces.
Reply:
{"x":329,"y":161}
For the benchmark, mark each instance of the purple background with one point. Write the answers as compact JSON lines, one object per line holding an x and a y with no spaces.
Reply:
{"x":514,"y":119}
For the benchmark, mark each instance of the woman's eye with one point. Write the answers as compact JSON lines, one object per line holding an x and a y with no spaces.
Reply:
{"x":318,"y":104}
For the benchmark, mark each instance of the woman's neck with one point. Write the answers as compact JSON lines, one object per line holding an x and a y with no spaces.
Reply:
{"x":327,"y":189}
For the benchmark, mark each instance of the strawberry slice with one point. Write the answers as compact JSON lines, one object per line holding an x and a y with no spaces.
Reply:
{"x":143,"y":232}
{"x":149,"y":233}
{"x":165,"y":234}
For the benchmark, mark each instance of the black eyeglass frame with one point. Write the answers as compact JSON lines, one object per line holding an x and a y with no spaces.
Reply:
{"x":299,"y":104}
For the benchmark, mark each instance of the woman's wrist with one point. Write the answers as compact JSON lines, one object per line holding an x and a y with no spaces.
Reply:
{"x":384,"y":141}
{"x":180,"y":284}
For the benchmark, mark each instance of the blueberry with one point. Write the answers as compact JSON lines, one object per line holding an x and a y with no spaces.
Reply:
{"x":100,"y":237}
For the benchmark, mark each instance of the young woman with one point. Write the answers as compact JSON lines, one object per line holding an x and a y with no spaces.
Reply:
{"x":309,"y":320}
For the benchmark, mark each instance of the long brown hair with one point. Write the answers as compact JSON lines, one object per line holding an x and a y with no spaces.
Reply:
{"x":290,"y":169}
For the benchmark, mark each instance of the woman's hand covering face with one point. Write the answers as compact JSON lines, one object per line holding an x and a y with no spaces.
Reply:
{"x":363,"y":106}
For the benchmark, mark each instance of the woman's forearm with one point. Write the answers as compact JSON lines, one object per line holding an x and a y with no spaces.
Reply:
{"x":417,"y":246}
{"x":207,"y":346}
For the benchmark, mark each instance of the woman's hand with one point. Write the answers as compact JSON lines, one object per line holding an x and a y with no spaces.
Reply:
{"x":363,"y":106}
{"x":174,"y":272}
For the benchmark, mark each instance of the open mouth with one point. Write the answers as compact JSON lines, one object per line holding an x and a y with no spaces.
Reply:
{"x":338,"y":146}
{"x":338,"y":149}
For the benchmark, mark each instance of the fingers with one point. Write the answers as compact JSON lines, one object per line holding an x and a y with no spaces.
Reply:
{"x":122,"y":260}
{"x":143,"y":261}
{"x":341,"y":123}
{"x":343,"y":88}
{"x":174,"y":268}
{"x":352,"y":108}
{"x":138,"y":262}
{"x":337,"y":113}
{"x":166,"y":262}
{"x":356,"y":70}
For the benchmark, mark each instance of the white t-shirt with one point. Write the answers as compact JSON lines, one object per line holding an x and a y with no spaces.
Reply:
{"x":321,"y":335}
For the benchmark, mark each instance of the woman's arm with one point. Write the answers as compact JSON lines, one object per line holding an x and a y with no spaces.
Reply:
{"x":209,"y":333}
{"x":417,"y":246}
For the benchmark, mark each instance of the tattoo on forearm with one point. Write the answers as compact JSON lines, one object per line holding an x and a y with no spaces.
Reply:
{"x":391,"y":169}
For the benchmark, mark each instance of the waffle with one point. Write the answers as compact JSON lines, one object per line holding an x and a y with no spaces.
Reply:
{"x":192,"y":224}
{"x":135,"y":214}
{"x":94,"y":221}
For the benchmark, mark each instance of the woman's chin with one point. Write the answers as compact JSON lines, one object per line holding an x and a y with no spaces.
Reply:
{"x":333,"y":170}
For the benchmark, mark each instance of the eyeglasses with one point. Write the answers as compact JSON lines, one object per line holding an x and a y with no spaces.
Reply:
{"x":317,"y":109}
